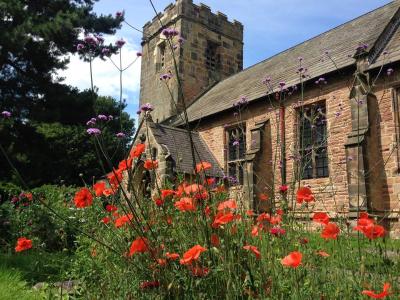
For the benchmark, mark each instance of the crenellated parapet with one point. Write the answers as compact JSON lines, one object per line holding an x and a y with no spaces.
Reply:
{"x":217,"y":22}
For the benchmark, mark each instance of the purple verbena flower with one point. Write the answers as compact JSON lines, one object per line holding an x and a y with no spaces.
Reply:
{"x":110,"y":118}
{"x":181,"y":40}
{"x":266,"y":80}
{"x":120,"y":135}
{"x":80,"y":47}
{"x":106,"y":51}
{"x":102,"y":117}
{"x":170,"y":32}
{"x":100,"y":39}
{"x":90,"y":39}
{"x":147,"y":107}
{"x":138,"y":54}
{"x":93,"y":131}
{"x":235,"y":143}
{"x":389,"y":71}
{"x":166,"y":76}
{"x":119,"y":43}
{"x":282,"y":84}
{"x":91,"y":122}
{"x":6,"y":114}
{"x":119,"y":14}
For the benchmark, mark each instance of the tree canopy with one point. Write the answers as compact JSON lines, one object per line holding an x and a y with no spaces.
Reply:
{"x":47,"y":139}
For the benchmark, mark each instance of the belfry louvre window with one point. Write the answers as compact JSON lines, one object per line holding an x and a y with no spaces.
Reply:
{"x":236,"y":151}
{"x":161,"y":56}
{"x":212,"y":59}
{"x":313,"y":141}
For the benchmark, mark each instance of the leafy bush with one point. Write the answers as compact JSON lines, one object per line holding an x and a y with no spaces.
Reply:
{"x":25,"y":214}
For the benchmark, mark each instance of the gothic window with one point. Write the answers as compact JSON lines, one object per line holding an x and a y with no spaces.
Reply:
{"x":236,"y":150}
{"x":313,"y":141}
{"x":212,"y":59}
{"x":161,"y":56}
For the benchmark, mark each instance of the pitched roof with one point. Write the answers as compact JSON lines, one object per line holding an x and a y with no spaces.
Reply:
{"x":177,"y":142}
{"x":340,"y":42}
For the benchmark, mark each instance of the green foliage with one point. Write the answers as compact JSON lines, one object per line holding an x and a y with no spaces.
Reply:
{"x":46,"y":139}
{"x":30,"y":218}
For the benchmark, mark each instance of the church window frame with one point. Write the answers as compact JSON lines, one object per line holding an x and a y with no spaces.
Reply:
{"x":235,"y":140}
{"x":313,"y":141}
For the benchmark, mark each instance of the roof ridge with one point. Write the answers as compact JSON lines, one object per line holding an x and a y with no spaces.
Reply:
{"x":310,"y":39}
{"x":175,"y":128}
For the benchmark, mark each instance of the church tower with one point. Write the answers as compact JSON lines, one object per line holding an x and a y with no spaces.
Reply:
{"x":208,"y":49}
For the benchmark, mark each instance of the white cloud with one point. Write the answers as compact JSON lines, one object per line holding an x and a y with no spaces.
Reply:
{"x":106,"y":75}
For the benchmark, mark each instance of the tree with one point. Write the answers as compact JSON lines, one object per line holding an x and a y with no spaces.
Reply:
{"x":47,"y":140}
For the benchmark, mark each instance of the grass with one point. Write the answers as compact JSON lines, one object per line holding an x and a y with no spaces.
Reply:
{"x":20,"y":271}
{"x":12,"y":286}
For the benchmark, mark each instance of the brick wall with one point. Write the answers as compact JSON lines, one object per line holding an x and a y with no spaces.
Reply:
{"x":332,"y":192}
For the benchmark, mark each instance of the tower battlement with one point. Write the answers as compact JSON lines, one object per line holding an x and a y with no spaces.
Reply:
{"x":201,"y":13}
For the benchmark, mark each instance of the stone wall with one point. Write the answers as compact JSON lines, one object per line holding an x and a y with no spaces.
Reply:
{"x":198,"y":26}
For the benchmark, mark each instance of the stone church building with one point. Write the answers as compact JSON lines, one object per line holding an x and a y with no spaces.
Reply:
{"x":324,"y":113}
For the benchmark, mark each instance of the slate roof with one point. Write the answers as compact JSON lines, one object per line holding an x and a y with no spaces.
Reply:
{"x":177,"y":142}
{"x":340,"y":43}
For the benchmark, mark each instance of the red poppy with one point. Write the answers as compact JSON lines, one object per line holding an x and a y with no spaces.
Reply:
{"x":330,"y":231}
{"x":202,"y":166}
{"x":106,"y":220}
{"x":23,"y":244}
{"x":381,"y":295}
{"x":263,"y":197}
{"x":207,"y":211}
{"x":199,"y":271}
{"x":264,"y":217}
{"x":277,"y":231}
{"x":138,"y":246}
{"x":255,"y":231}
{"x":228,"y":204}
{"x":250,"y":212}
{"x":279,"y":212}
{"x":275,"y":219}
{"x":166,"y":193}
{"x":172,"y":256}
{"x":214,"y":240}
{"x":192,"y":254}
{"x":253,"y":249}
{"x":83,"y":198}
{"x":28,"y":196}
{"x":115,"y":178}
{"x":222,"y":218}
{"x":322,"y":253}
{"x":185,"y":204}
{"x":150,"y":164}
{"x":125,"y":164}
{"x":137,"y":150}
{"x":321,"y":217}
{"x":304,"y":194}
{"x":111,"y":208}
{"x":209,"y":181}
{"x":99,"y":188}
{"x":121,"y":221}
{"x":293,"y":260}
{"x":368,"y":227}
{"x":374,"y":231}
{"x":283,"y":188}
{"x":149,"y":284}
{"x":193,"y":189}
{"x":159,"y":202}
{"x":110,"y":191}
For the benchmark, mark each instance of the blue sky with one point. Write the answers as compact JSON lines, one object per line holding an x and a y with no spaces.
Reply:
{"x":270,"y":26}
